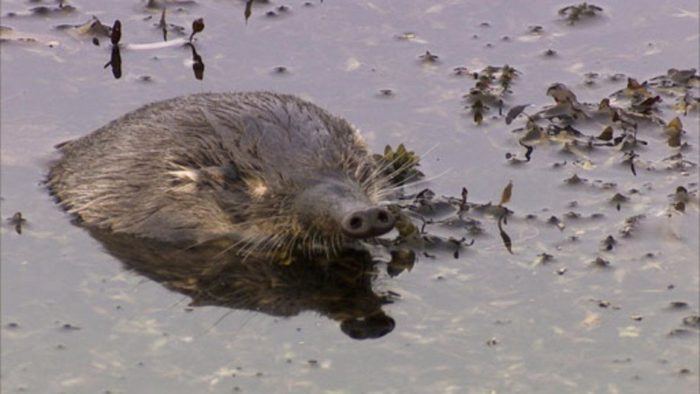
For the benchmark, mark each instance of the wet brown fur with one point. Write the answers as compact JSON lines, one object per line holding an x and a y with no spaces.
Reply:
{"x":226,"y":166}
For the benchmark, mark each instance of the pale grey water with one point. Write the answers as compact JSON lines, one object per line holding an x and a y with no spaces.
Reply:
{"x":551,"y":334}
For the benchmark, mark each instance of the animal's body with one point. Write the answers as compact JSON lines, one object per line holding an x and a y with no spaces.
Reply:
{"x":269,"y":171}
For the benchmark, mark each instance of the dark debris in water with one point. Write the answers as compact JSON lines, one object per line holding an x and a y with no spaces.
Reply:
{"x":600,"y":262}
{"x":429,"y":58}
{"x":401,"y":260}
{"x":681,"y":333}
{"x":69,"y":327}
{"x":631,"y":224}
{"x":163,"y":4}
{"x":579,"y":12}
{"x":492,"y":85}
{"x":46,"y":11}
{"x":608,"y":243}
{"x":424,"y":216}
{"x":17,"y":221}
{"x":93,"y":28}
{"x":678,"y":306}
{"x":624,"y":115}
{"x":692,"y":321}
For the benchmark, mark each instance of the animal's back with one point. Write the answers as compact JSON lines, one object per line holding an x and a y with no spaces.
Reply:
{"x":163,"y":166}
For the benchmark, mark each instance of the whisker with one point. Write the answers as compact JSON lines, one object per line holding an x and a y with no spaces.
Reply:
{"x":387,"y":191}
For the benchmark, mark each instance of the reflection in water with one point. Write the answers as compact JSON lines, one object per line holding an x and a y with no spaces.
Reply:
{"x":115,"y":60}
{"x":197,"y":63}
{"x":340,"y":289}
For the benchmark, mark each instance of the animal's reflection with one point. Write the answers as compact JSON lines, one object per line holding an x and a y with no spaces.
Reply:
{"x":340,"y":289}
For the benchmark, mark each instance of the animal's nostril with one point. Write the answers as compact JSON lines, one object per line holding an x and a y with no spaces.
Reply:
{"x":370,"y":222}
{"x":355,"y":223}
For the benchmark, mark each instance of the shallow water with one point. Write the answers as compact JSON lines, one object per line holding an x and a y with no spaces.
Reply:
{"x":74,"y":320}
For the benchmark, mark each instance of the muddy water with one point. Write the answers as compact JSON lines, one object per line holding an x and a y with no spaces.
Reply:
{"x":75,"y":319}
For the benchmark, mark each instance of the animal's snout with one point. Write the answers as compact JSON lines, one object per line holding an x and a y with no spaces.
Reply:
{"x":366,"y":223}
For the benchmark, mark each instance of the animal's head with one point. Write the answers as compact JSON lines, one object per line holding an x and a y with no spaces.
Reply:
{"x":317,"y":210}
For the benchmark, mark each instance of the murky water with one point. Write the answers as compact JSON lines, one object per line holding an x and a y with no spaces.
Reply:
{"x":75,"y":320}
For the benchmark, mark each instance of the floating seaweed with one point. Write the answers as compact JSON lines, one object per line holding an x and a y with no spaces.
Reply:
{"x":492,"y":85}
{"x":93,"y":29}
{"x":576,"y":13}
{"x":622,"y":114}
{"x":197,"y":27}
{"x":401,"y":165}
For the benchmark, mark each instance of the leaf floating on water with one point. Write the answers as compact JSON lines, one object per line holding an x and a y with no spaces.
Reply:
{"x":561,"y":94}
{"x":514,"y":112}
{"x":557,"y":222}
{"x":575,"y":180}
{"x":403,"y":225}
{"x":116,"y":32}
{"x":599,"y":262}
{"x":631,"y":223}
{"x":506,"y":239}
{"x":401,"y":260}
{"x":399,"y":166}
{"x":634,"y":86}
{"x":491,"y":87}
{"x":619,"y":198}
{"x":248,"y":10}
{"x":534,"y":132}
{"x":645,"y":105}
{"x":692,"y":321}
{"x":673,"y":130}
{"x":675,"y":124}
{"x":606,"y":134}
{"x":478,"y":117}
{"x":506,"y":194}
{"x":680,"y":198}
{"x":197,"y":27}
{"x":461,"y":71}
